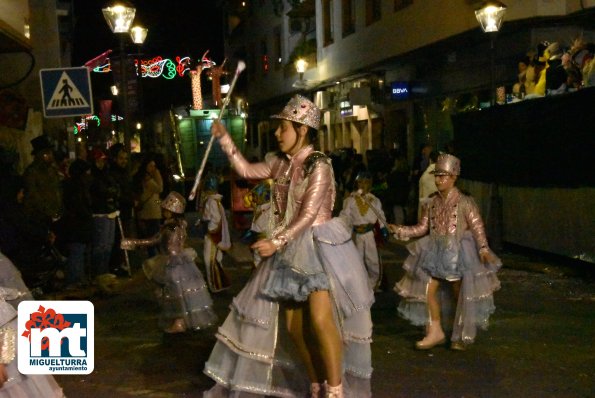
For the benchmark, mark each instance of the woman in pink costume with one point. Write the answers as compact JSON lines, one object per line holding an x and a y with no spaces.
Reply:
{"x":454,"y":253}
{"x":304,"y":316}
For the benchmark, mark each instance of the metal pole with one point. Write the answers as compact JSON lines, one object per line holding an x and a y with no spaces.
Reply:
{"x":492,"y":69}
{"x":139,"y":92}
{"x":121,"y":228}
{"x":124,"y":88}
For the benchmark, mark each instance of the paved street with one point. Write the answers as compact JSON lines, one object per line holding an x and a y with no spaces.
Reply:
{"x":540,"y":341}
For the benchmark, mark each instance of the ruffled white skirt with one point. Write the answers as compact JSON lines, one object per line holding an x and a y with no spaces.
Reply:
{"x":184,"y":293}
{"x":430,"y":257}
{"x":26,"y":386}
{"x":254,"y":355}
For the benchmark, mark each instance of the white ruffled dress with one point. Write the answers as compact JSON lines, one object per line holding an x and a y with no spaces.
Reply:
{"x":254,"y":355}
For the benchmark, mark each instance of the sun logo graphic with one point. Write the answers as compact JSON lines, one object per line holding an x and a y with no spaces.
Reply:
{"x":56,"y":337}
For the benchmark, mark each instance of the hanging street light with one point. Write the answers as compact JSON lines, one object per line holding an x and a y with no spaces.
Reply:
{"x":138,"y":34}
{"x":119,"y":18}
{"x":300,"y":66}
{"x":490,"y":16}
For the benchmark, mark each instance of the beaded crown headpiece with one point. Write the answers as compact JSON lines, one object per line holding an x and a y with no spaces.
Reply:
{"x":447,"y":165}
{"x":301,"y":110}
{"x":174,"y":202}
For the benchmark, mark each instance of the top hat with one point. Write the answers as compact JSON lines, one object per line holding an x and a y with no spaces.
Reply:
{"x":447,"y":165}
{"x":40,"y":143}
{"x":301,"y":110}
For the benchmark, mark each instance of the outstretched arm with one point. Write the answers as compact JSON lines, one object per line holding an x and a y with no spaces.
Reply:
{"x":245,"y":169}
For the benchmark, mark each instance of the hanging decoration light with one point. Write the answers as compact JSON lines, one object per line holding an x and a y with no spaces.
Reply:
{"x":119,"y":17}
{"x":490,"y":16}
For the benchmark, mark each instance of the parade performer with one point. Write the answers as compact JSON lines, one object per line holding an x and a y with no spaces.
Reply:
{"x":454,"y":254}
{"x":259,"y":199}
{"x":303,"y":318}
{"x":217,"y":238}
{"x":13,"y":384}
{"x":361,"y":211}
{"x":185,"y":300}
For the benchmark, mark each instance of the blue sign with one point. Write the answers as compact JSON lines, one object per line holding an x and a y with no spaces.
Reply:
{"x":66,"y":92}
{"x":399,"y":90}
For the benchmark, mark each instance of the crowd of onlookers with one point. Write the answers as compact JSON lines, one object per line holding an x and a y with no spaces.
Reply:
{"x":553,"y":69}
{"x":67,"y":218}
{"x":61,"y":222}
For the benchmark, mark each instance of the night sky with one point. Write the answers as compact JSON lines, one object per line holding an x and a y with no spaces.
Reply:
{"x":176,"y":27}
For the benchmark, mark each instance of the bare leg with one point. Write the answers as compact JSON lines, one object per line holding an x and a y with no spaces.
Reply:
{"x":434,"y":332}
{"x":327,"y":335}
{"x":295,"y":326}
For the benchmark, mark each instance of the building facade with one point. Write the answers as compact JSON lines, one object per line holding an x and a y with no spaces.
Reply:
{"x":34,"y":35}
{"x":393,"y":74}
{"x":387,"y":73}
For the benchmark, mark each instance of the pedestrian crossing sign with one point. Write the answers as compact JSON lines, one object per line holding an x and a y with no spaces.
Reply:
{"x":66,"y":92}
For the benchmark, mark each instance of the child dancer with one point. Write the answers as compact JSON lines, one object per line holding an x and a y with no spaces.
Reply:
{"x":217,"y":237}
{"x":303,"y":318}
{"x":259,"y":198}
{"x":456,"y":254}
{"x":185,"y":300}
{"x":361,"y":211}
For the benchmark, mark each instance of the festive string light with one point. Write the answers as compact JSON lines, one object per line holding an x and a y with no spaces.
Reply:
{"x":82,"y":125}
{"x":158,"y":67}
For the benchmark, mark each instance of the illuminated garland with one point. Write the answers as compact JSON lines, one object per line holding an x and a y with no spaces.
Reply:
{"x":156,"y":67}
{"x":82,"y":125}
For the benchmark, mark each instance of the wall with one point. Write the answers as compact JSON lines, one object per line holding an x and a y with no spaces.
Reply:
{"x":554,"y":220}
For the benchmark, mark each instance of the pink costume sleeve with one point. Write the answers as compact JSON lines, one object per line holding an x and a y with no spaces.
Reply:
{"x":145,"y":242}
{"x":476,"y":226}
{"x":422,"y":227}
{"x":311,"y":211}
{"x":244,"y":168}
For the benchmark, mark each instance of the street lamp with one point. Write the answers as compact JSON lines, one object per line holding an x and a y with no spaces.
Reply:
{"x":138,"y":34}
{"x":119,"y":17}
{"x":490,"y":16}
{"x":300,"y":66}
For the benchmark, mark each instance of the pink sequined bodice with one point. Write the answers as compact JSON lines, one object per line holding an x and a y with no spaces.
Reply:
{"x":450,"y":215}
{"x":303,"y":189}
{"x":173,"y":237}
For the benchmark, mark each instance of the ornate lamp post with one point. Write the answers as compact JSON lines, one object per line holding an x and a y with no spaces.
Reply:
{"x":138,"y":34}
{"x":490,"y":16}
{"x":119,"y":17}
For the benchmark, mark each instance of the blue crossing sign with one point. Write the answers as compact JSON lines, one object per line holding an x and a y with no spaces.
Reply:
{"x":66,"y":92}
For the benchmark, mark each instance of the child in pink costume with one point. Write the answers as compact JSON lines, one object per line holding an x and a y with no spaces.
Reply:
{"x":454,"y":253}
